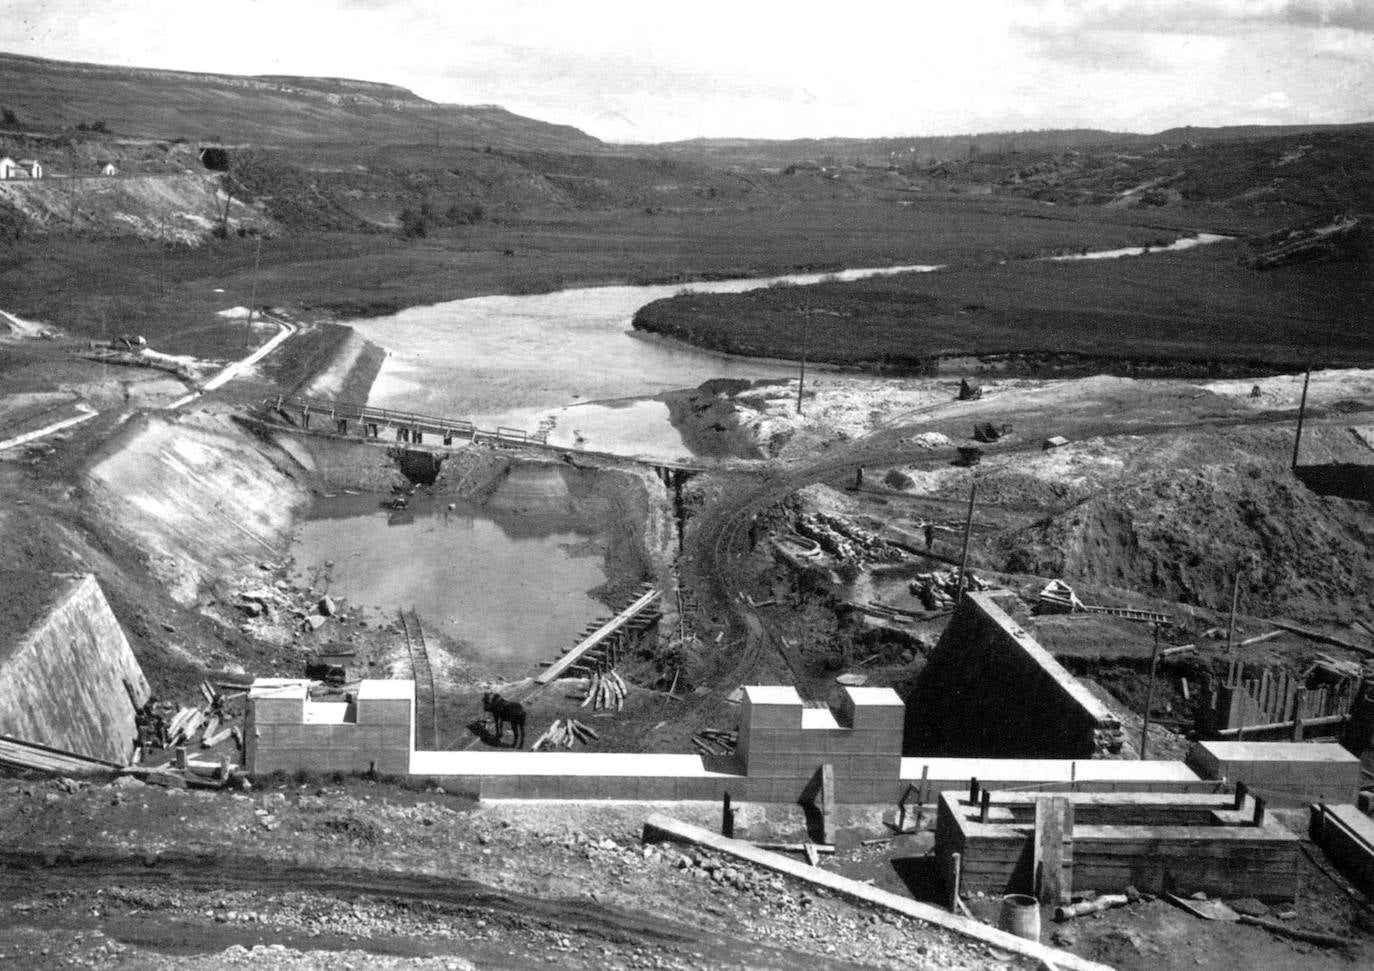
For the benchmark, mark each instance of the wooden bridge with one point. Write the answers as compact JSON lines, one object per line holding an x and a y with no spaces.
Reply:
{"x":406,"y":427}
{"x":347,"y":418}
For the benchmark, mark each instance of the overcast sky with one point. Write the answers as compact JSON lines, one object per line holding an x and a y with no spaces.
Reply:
{"x":649,"y":71}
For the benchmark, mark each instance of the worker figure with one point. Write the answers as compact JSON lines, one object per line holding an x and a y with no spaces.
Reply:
{"x":930,"y":535}
{"x":859,"y":477}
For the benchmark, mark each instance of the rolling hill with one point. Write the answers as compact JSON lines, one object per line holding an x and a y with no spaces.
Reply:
{"x":47,"y":96}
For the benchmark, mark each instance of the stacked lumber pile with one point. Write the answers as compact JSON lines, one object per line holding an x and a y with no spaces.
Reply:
{"x":564,"y":733}
{"x":605,"y":690}
{"x":713,"y":741}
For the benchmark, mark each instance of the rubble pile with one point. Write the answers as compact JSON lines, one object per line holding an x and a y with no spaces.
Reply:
{"x":274,"y":608}
{"x":937,"y":590}
{"x":844,"y":540}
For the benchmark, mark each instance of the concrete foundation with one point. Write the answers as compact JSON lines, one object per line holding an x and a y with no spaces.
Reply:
{"x":68,"y":678}
{"x":1153,"y":842}
{"x":988,"y":689}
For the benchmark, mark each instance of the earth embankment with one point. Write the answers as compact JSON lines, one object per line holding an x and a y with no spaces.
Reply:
{"x":198,"y":495}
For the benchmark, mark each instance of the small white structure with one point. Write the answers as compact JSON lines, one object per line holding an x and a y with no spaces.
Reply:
{"x":8,"y":170}
{"x":108,"y":168}
{"x":31,"y":167}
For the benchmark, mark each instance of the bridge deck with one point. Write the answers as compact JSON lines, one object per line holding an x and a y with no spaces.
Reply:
{"x":448,"y":428}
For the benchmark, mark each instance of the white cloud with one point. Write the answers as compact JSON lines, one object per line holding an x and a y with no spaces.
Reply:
{"x":657,"y":71}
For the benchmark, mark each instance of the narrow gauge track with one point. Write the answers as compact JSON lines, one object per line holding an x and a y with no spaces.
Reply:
{"x":426,"y":704}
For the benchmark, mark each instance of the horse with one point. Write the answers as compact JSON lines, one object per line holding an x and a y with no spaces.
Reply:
{"x":506,"y":712}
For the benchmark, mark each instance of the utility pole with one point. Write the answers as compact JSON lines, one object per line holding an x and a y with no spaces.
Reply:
{"x":1235,"y":599}
{"x":801,"y":376}
{"x":968,"y":529}
{"x":1149,"y":697}
{"x":1302,"y":407}
{"x":253,"y":300}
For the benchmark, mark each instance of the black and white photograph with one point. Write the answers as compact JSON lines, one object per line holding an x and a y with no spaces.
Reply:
{"x":488,"y":486}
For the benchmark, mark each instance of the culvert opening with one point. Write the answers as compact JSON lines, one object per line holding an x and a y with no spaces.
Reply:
{"x":421,"y":468}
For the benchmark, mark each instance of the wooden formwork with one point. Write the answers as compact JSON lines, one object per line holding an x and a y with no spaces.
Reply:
{"x":1220,"y":844}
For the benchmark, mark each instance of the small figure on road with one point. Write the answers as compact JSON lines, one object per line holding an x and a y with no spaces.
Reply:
{"x":930,"y":535}
{"x":859,"y":477}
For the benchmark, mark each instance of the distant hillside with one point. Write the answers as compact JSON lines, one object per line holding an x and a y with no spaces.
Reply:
{"x":47,"y":95}
{"x":927,"y":149}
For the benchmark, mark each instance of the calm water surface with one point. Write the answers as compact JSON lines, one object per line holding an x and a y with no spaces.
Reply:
{"x":511,"y":587}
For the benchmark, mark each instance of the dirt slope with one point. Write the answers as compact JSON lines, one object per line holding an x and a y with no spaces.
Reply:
{"x":1183,"y":534}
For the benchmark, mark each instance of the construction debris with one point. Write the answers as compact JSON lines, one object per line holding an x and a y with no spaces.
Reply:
{"x":1102,"y":902}
{"x":605,"y":690}
{"x":565,"y":733}
{"x":713,"y":741}
{"x":937,"y":590}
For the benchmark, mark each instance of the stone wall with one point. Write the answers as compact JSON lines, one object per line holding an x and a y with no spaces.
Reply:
{"x":70,"y":681}
{"x":988,"y":689}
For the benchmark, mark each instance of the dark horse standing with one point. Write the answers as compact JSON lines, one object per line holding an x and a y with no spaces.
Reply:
{"x":506,"y":712}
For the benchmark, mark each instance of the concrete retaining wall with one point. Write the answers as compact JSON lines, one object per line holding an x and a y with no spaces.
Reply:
{"x":287,"y":732}
{"x":988,"y":689}
{"x":1299,"y":771}
{"x":70,"y":681}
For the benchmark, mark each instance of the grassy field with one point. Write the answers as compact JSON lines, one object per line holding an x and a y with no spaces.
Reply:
{"x":112,"y":286}
{"x":1196,"y":310}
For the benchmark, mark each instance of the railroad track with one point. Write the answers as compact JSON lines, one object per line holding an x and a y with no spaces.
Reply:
{"x":426,"y":704}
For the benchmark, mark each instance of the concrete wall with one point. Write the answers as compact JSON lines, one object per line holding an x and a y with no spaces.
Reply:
{"x":1297,"y":771}
{"x":988,"y":689}
{"x":67,"y":681}
{"x":784,"y":744}
{"x":287,"y":732}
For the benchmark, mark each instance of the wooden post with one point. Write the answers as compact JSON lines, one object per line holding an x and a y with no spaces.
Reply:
{"x":1259,"y":812}
{"x":968,"y":529}
{"x":1302,"y":407}
{"x":727,"y":818}
{"x":1053,"y":866}
{"x":1300,"y":700}
{"x":1149,"y":697}
{"x":827,"y":805}
{"x":1241,"y":791}
{"x":973,"y":791}
{"x":984,"y":805}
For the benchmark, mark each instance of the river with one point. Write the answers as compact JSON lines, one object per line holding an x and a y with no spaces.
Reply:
{"x":570,"y":361}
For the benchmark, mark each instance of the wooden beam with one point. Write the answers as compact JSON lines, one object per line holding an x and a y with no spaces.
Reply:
{"x":1053,"y":852}
{"x":587,"y":643}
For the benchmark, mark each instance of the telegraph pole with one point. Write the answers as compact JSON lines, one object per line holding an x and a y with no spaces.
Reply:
{"x":1302,"y":407}
{"x":253,"y":300}
{"x":1149,"y":696}
{"x":968,"y":529}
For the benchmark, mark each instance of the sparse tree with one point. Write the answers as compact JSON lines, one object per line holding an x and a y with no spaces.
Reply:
{"x":10,"y":118}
